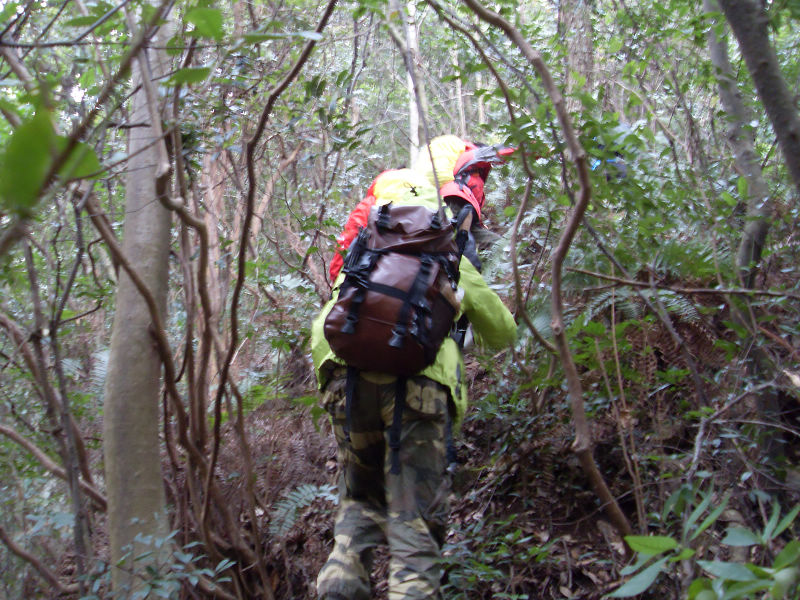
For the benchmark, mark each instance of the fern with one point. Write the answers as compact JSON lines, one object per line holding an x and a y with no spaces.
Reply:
{"x":626,"y":303}
{"x":630,"y":307}
{"x":97,"y":375}
{"x":692,"y":258}
{"x":677,"y":305}
{"x":284,"y":513}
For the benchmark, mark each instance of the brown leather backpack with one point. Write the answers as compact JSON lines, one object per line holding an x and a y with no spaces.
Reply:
{"x":397,"y":302}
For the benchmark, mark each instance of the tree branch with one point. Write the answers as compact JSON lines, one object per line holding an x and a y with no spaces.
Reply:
{"x":37,"y":564}
{"x":51,"y":466}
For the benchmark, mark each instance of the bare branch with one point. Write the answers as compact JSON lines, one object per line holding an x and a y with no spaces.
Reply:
{"x":689,"y":291}
{"x":50,"y":465}
{"x":37,"y":564}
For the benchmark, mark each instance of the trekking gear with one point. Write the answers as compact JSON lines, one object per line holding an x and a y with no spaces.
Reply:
{"x":397,"y":302}
{"x":470,"y":172}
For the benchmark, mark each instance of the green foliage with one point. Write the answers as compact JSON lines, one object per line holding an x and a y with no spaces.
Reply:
{"x":176,"y":569}
{"x":28,"y":156}
{"x":284,"y":513}
{"x":485,"y":553}
{"x":725,"y":580}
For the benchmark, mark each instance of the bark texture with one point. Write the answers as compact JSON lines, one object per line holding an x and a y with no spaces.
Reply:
{"x":749,"y":22}
{"x":578,"y":36}
{"x":136,"y":499}
{"x":742,"y":143}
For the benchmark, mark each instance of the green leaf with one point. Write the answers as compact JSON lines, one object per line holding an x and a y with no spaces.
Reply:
{"x":740,"y":536}
{"x":81,"y":163}
{"x":744,"y":589}
{"x":640,"y":582}
{"x":175,"y":45}
{"x":711,"y":518}
{"x":741,"y":187}
{"x":25,"y":161}
{"x":727,"y":570}
{"x":682,"y":555}
{"x":207,"y":22}
{"x":190,"y":75}
{"x":786,"y":521}
{"x":728,"y":198}
{"x":697,"y":512}
{"x":651,"y":545}
{"x":81,"y":21}
{"x":790,"y":555}
{"x":773,"y":521}
{"x":224,"y":564}
{"x":257,"y":38}
{"x":8,"y":11}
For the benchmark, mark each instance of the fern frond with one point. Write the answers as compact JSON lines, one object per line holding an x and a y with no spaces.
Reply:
{"x":693,"y":258}
{"x":677,"y":305}
{"x":284,"y":513}
{"x":97,"y":375}
{"x":625,"y":301}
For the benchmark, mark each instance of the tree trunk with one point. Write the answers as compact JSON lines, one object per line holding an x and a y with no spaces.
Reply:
{"x":415,"y":126}
{"x":136,"y":499}
{"x":749,"y":23}
{"x":578,"y":38}
{"x":462,"y":119}
{"x":743,"y":146}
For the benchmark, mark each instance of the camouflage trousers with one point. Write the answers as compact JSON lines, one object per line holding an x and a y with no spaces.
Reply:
{"x":407,"y":510}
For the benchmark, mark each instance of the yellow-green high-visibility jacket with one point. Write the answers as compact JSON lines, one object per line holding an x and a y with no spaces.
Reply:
{"x":492,"y":323}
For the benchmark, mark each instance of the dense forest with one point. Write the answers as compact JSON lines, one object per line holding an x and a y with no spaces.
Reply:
{"x":173,"y":175}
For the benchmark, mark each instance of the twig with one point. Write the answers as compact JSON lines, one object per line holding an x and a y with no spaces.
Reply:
{"x":13,"y":234}
{"x":51,"y":466}
{"x":704,"y":422}
{"x":522,"y":309}
{"x":688,"y":291}
{"x":37,"y":564}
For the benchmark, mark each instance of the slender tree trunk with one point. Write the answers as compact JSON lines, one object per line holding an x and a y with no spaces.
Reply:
{"x":749,"y":22}
{"x":415,"y":130}
{"x":462,"y":119}
{"x":743,"y":145}
{"x":579,"y":40}
{"x":136,"y":499}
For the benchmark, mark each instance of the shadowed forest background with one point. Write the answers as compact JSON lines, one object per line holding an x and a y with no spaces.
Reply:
{"x":172,"y":179}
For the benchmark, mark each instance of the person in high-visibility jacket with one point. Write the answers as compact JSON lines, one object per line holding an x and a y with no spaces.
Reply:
{"x":406,"y":509}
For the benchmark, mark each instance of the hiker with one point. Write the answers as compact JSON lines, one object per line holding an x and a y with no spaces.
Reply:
{"x":394,"y":432}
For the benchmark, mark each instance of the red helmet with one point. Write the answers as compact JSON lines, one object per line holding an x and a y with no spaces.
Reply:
{"x":470,"y":172}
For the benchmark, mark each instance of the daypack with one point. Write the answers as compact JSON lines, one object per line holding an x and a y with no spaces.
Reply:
{"x":397,"y":302}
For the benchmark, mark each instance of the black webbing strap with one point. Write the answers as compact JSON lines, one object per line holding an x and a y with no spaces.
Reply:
{"x":452,"y":458}
{"x":414,"y":298}
{"x":382,"y":223}
{"x":397,"y":423}
{"x":349,"y":396}
{"x":358,"y":277}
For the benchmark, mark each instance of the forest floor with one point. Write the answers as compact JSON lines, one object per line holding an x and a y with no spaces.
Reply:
{"x":524,"y":522}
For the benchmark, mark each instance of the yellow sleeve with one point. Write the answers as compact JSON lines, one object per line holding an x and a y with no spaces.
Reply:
{"x":492,"y":323}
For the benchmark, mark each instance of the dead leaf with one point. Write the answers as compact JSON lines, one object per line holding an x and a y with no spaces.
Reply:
{"x":793,"y":377}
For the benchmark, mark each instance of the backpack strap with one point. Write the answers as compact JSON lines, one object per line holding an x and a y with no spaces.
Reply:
{"x":452,"y":457}
{"x":349,"y":397}
{"x":397,"y":422}
{"x":415,"y":297}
